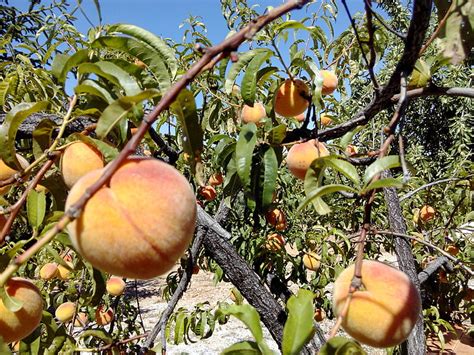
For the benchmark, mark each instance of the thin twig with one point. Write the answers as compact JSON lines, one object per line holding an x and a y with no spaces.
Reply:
{"x":438,"y":29}
{"x":410,"y":194}
{"x":383,"y":23}
{"x":371,"y":30}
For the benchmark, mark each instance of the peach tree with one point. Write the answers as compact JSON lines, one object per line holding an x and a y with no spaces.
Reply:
{"x":283,"y":158}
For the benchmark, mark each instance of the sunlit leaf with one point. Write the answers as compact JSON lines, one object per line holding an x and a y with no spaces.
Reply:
{"x":385,"y":163}
{"x":244,"y":152}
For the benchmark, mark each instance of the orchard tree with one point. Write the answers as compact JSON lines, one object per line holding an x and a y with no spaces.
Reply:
{"x":282,"y":156}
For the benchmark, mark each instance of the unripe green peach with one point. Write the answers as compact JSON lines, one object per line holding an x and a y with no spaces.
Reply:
{"x":253,"y":113}
{"x":383,"y":313}
{"x":301,"y":155}
{"x":139,"y":224}
{"x":6,"y":172}
{"x":115,"y":286}
{"x":77,"y":160}
{"x":291,"y":98}
{"x":65,"y":312}
{"x":15,"y":326}
{"x":49,"y":271}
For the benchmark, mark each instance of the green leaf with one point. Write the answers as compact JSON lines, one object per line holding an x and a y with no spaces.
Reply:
{"x":270,"y":173}
{"x":341,"y":346}
{"x":93,"y":88}
{"x":299,"y":328}
{"x":249,"y":81}
{"x":421,"y":74}
{"x":320,"y":192}
{"x":10,"y":303}
{"x":62,"y":68}
{"x":97,"y":333}
{"x":383,"y":183}
{"x":108,"y":151}
{"x":10,"y":126}
{"x":342,"y":166}
{"x":347,"y":138}
{"x":159,"y":46}
{"x":119,"y":110}
{"x":98,"y":286}
{"x":242,"y":348}
{"x":244,"y":59}
{"x":277,"y":134}
{"x":36,"y":208}
{"x":42,"y":136}
{"x":385,"y":163}
{"x":114,"y":74}
{"x":57,"y":66}
{"x":184,"y":108}
{"x":244,"y":152}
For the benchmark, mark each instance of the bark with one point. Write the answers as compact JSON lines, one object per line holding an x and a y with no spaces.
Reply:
{"x":416,"y":343}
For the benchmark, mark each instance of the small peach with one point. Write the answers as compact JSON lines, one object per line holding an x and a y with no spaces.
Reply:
{"x":115,"y":286}
{"x":6,"y":172}
{"x":452,"y":250}
{"x":208,"y":192}
{"x":291,"y":98}
{"x":301,"y":155}
{"x":63,"y":271}
{"x":274,"y":242}
{"x":329,"y":82}
{"x":427,"y":213}
{"x":312,"y":260}
{"x":81,"y":319}
{"x":319,"y":315}
{"x":351,"y":150}
{"x":65,"y":312}
{"x":104,"y":316}
{"x":253,"y":113}
{"x":216,"y":179}
{"x":77,"y":160}
{"x":325,"y":120}
{"x":49,"y":271}
{"x":276,"y":218}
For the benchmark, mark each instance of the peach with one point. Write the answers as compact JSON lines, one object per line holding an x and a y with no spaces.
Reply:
{"x":77,"y":160}
{"x":6,"y":172}
{"x":311,"y":260}
{"x":452,"y":250}
{"x":351,"y":150}
{"x":81,"y":319}
{"x":319,"y":315}
{"x":115,"y":286}
{"x":208,"y":192}
{"x":15,"y":326}
{"x":325,"y":120}
{"x":65,"y":312}
{"x":301,"y":117}
{"x":291,"y":98}
{"x":104,"y":316}
{"x":329,"y":82}
{"x":253,"y":113}
{"x":274,"y":242}
{"x":427,"y":213}
{"x":139,"y":224}
{"x":276,"y":218}
{"x":216,"y":179}
{"x":49,"y":271}
{"x":301,"y":155}
{"x":383,"y":313}
{"x":63,"y":271}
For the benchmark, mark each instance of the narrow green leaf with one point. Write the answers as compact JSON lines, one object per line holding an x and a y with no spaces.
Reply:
{"x":242,"y":348}
{"x":98,"y":286}
{"x":184,"y":108}
{"x":249,"y":81}
{"x":244,"y":152}
{"x":322,"y":191}
{"x":119,"y":110}
{"x":385,"y":163}
{"x":93,"y":88}
{"x":159,"y":45}
{"x":244,"y":59}
{"x":97,"y":333}
{"x":141,"y":51}
{"x":10,"y":303}
{"x":347,"y":138}
{"x":270,"y":173}
{"x":36,"y":208}
{"x":421,"y":74}
{"x":77,"y":58}
{"x":57,"y":66}
{"x":42,"y":136}
{"x":10,"y":126}
{"x":114,"y":74}
{"x":342,"y":166}
{"x":383,"y":183}
{"x":299,"y":327}
{"x":3,"y":91}
{"x":277,"y":134}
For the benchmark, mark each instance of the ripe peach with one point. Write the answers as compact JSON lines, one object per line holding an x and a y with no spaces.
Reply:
{"x":301,"y":117}
{"x":15,"y":326}
{"x":139,"y":224}
{"x":329,"y":82}
{"x":63,"y":272}
{"x":81,"y":319}
{"x":208,"y":192}
{"x":325,"y":120}
{"x":49,"y":271}
{"x":351,"y":150}
{"x":301,"y":155}
{"x":311,"y":260}
{"x":77,"y":160}
{"x":291,"y":98}
{"x":276,"y":218}
{"x":384,"y":312}
{"x":427,"y":213}
{"x":452,"y":250}
{"x":115,"y":286}
{"x":65,"y":312}
{"x":6,"y":172}
{"x":216,"y":179}
{"x":253,"y":113}
{"x":274,"y":242}
{"x":319,"y":315}
{"x":104,"y":316}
